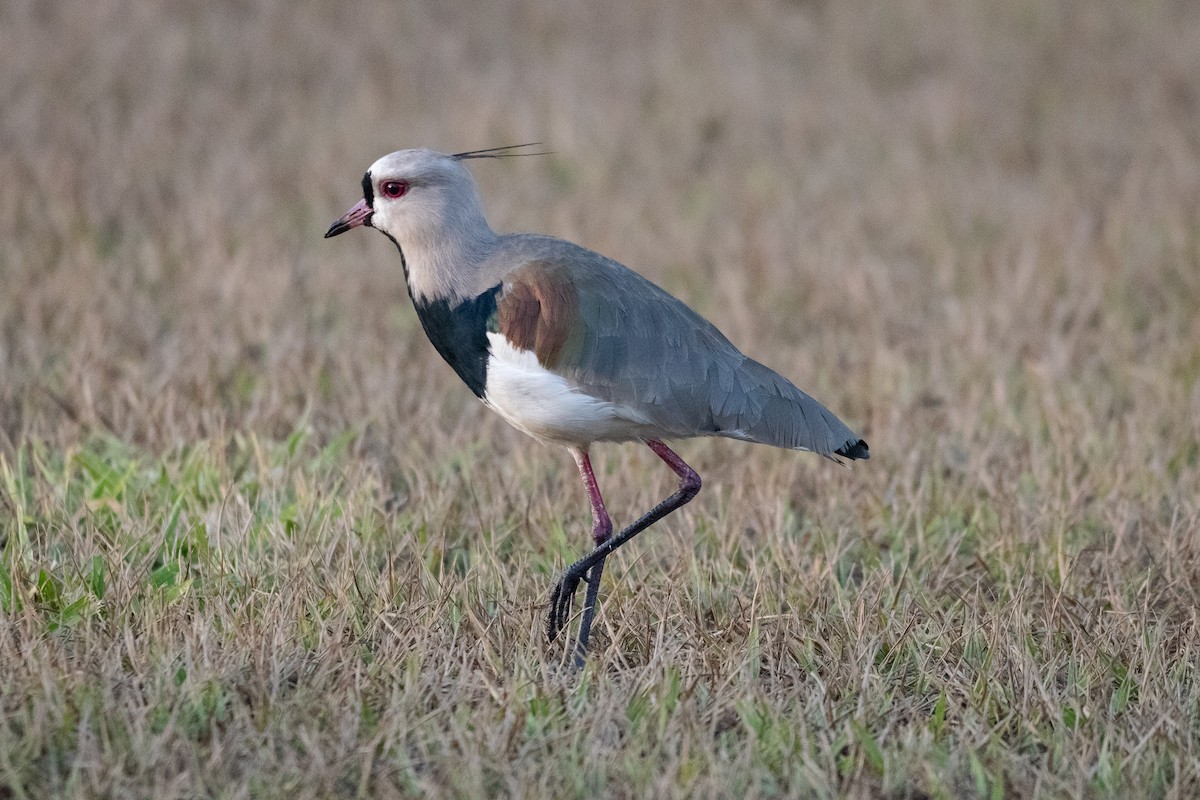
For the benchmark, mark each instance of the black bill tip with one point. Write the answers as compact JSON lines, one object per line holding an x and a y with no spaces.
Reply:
{"x":360,"y":214}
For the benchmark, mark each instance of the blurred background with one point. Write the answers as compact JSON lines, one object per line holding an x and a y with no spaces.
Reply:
{"x":972,"y":230}
{"x":938,"y":217}
{"x":251,"y":525}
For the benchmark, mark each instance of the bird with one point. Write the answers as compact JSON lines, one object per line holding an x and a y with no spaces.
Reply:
{"x":574,"y":348}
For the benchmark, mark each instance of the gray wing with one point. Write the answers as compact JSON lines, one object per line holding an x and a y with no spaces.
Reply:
{"x":634,"y":344}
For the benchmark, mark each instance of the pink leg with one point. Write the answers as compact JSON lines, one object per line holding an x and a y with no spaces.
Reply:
{"x":689,"y":480}
{"x":601,"y":524}
{"x":591,"y":566}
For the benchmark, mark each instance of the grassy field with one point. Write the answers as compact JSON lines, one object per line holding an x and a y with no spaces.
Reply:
{"x":256,"y":540}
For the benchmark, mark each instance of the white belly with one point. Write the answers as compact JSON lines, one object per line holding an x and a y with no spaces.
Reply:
{"x":547,"y":407}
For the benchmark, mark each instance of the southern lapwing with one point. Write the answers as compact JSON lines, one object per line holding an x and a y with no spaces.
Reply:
{"x":573,"y":348}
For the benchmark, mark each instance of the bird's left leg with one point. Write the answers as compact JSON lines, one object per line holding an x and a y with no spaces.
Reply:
{"x":560,"y":600}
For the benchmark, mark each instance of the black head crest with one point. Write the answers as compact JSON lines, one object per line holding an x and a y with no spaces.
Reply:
{"x":500,"y":152}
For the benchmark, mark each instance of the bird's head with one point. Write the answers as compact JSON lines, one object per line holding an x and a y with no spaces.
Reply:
{"x":415,"y":196}
{"x":428,"y":205}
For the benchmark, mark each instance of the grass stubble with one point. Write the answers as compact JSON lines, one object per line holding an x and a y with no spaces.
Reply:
{"x":256,"y":542}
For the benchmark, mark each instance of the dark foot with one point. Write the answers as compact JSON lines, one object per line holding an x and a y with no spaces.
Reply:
{"x":562,"y":597}
{"x":560,"y":602}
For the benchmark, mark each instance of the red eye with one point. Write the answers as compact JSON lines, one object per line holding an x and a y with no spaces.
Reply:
{"x":393,"y":189}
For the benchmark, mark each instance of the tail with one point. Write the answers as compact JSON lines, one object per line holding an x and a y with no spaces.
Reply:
{"x":859,"y":449}
{"x":775,"y":412}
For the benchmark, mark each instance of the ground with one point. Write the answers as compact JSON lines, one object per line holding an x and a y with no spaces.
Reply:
{"x":258,"y":541}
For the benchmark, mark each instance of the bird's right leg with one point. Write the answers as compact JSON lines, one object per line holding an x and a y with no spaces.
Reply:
{"x":560,"y":599}
{"x":564,"y":590}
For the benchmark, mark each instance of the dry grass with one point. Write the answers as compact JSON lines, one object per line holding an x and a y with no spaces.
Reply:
{"x":258,"y":541}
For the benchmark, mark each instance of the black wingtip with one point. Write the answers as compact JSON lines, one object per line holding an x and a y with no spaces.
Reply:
{"x":856,"y":450}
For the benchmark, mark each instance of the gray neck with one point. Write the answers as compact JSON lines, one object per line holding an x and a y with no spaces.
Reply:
{"x":445,"y":266}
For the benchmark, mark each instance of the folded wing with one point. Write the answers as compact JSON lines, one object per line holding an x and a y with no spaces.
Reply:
{"x":620,"y":338}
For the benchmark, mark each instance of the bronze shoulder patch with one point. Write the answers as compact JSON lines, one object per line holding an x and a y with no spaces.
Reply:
{"x":538,"y":310}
